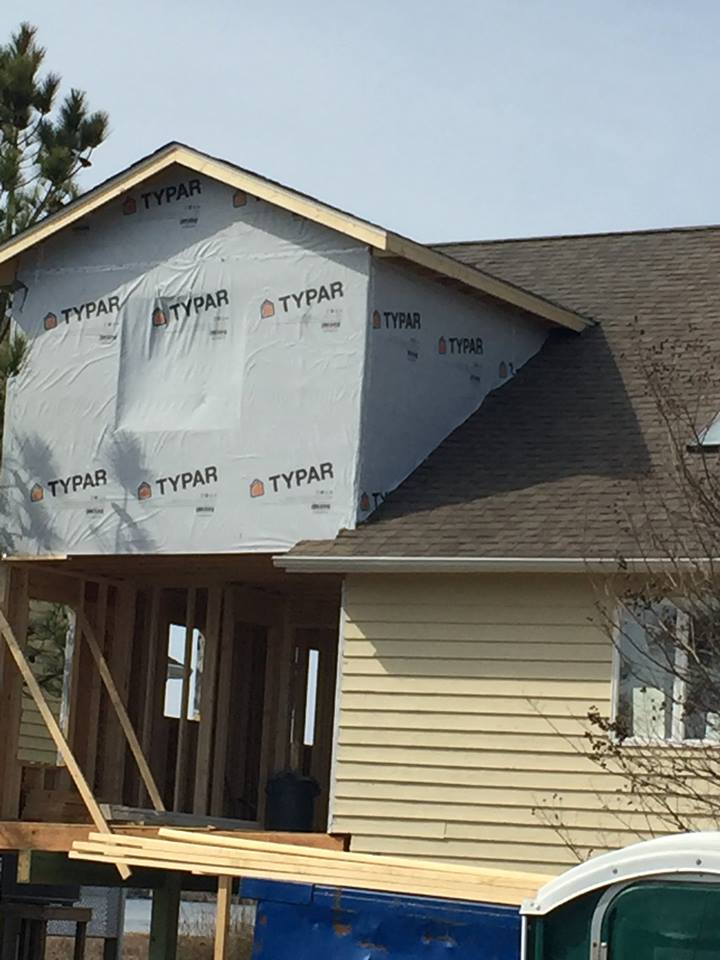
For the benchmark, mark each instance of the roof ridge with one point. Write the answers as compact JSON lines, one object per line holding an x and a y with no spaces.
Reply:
{"x":546,"y":238}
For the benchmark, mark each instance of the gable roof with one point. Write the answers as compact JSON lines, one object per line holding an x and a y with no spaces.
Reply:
{"x":549,"y":469}
{"x":383,"y":242}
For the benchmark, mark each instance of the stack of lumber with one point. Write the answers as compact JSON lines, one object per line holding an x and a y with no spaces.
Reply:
{"x":227,"y":856}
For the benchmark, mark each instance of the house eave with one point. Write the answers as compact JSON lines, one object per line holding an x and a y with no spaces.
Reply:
{"x":348,"y":564}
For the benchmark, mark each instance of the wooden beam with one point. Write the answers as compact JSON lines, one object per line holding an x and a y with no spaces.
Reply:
{"x":151,"y":644}
{"x":59,"y":837}
{"x":15,"y":602}
{"x":208,"y":694}
{"x":227,"y":644}
{"x":55,"y":731}
{"x":120,"y":711}
{"x":222,"y":918}
{"x":94,"y":685}
{"x":284,"y":669}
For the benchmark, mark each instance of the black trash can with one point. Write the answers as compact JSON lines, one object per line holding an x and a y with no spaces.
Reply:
{"x":290,"y":802}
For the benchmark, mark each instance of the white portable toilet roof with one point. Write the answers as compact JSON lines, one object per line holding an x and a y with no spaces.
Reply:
{"x":696,"y":853}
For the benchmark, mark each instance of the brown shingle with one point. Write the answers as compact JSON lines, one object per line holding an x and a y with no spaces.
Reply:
{"x":556,"y":462}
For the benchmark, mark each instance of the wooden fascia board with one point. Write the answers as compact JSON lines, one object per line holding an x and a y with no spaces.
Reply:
{"x":373,"y":236}
{"x":286,"y":199}
{"x":225,"y":173}
{"x":484,"y":282}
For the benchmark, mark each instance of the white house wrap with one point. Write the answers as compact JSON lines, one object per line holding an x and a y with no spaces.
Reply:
{"x":210,"y":373}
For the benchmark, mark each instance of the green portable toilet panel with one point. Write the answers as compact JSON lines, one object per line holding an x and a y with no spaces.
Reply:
{"x":656,"y":900}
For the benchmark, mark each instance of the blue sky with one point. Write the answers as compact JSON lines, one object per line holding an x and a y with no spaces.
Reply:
{"x":457,"y":120}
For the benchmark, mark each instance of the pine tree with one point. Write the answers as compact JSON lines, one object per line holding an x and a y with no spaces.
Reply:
{"x":43,"y":146}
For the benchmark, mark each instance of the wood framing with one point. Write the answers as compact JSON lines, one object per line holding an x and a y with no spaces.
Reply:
{"x":13,"y":600}
{"x":59,"y":837}
{"x":151,"y":640}
{"x":222,"y":917}
{"x":208,"y":695}
{"x":56,"y":733}
{"x":227,"y":644}
{"x":375,"y":237}
{"x":93,"y":680}
{"x":119,"y":707}
{"x":181,"y":760}
{"x":119,"y":663}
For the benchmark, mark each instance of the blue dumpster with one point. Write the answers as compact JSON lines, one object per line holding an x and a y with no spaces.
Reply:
{"x":298,"y":921}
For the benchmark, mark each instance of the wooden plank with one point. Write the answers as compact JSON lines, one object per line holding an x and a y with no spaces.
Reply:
{"x":94,"y":684}
{"x":55,"y":731}
{"x":227,"y":645}
{"x":208,"y":695}
{"x":181,"y":761}
{"x":119,"y":664}
{"x":15,"y":602}
{"x":413,"y":877}
{"x":222,"y":918}
{"x":120,"y":710}
{"x":151,"y":645}
{"x":334,"y":866}
{"x":59,"y":837}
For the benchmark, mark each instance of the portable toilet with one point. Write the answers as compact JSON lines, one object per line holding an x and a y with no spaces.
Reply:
{"x":655,"y":900}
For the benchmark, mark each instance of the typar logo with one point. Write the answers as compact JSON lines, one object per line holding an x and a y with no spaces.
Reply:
{"x":171,"y":194}
{"x":371,"y":501}
{"x":460,"y":345}
{"x":182,"y":309}
{"x":299,"y":477}
{"x":72,"y":484}
{"x":144,"y":491}
{"x":397,"y":320}
{"x":312,"y":295}
{"x":84,"y":311}
{"x":239,"y":198}
{"x":187,"y":480}
{"x":129,"y":206}
{"x":267,"y":309}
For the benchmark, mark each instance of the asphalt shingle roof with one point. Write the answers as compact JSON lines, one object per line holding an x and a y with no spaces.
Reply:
{"x":555,"y":462}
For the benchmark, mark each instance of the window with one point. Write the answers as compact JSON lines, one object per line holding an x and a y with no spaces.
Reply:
{"x":669,"y":673}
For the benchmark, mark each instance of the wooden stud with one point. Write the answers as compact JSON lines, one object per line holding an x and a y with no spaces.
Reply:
{"x":227,"y":644}
{"x":222,"y":918}
{"x":120,"y":711}
{"x":151,"y":645}
{"x":94,"y":685}
{"x":181,"y":761}
{"x":54,"y":730}
{"x":15,"y":602}
{"x":208,"y":694}
{"x":284,"y":669}
{"x":119,"y":662}
{"x":75,"y":680}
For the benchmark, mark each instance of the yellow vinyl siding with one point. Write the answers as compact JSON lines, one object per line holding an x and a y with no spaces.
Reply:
{"x":462,"y":720}
{"x":36,"y":745}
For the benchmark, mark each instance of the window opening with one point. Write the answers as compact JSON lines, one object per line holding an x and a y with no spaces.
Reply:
{"x":174,"y":672}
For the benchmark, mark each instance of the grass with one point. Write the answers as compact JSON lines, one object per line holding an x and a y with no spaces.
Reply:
{"x":195,"y":942}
